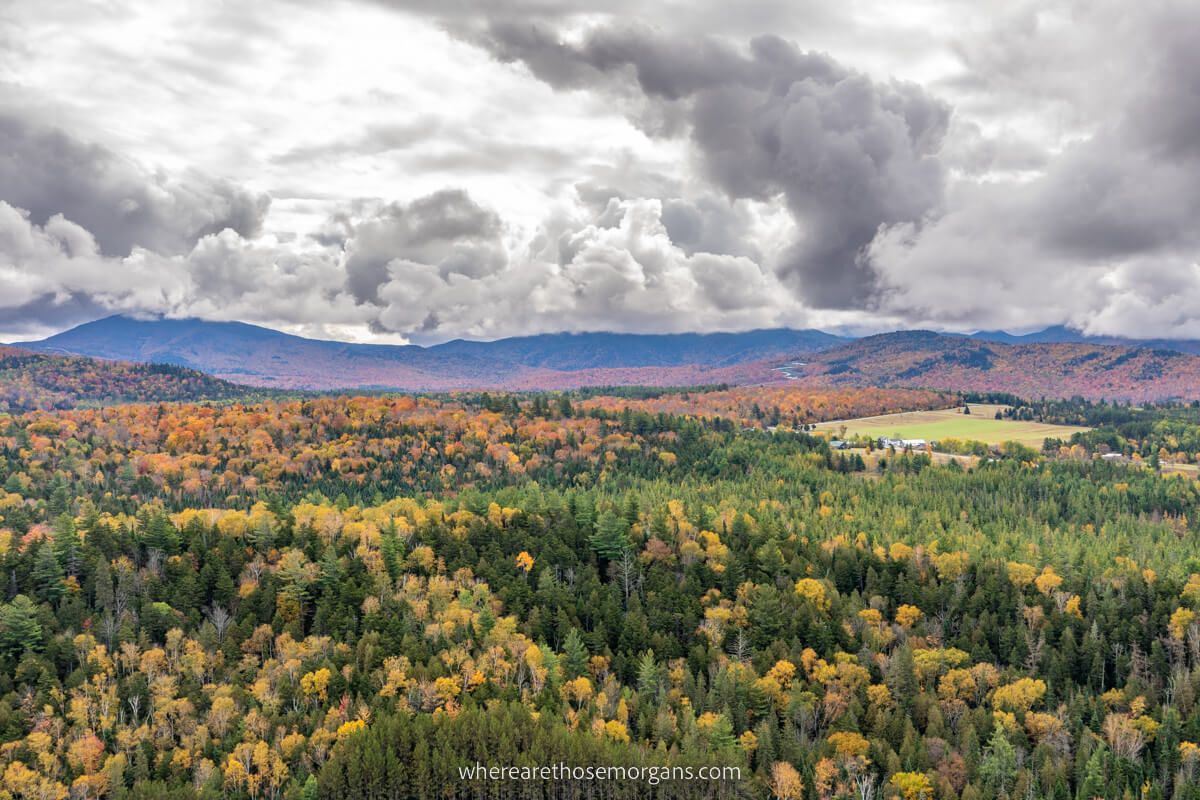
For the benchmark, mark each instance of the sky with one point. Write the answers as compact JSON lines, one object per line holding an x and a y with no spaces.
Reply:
{"x":421,"y":170}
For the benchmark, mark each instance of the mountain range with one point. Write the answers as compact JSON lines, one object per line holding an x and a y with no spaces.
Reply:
{"x":1056,"y":361}
{"x":257,"y":356}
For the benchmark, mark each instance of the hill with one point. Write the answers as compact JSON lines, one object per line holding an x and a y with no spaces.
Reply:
{"x":264,"y":357}
{"x":30,"y":380}
{"x":1059,"y":334}
{"x":1067,"y":369}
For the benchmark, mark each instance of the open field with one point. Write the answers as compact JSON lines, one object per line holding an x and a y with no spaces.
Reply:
{"x":980,"y":425}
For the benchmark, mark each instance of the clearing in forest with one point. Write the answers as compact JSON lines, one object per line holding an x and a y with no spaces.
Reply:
{"x":980,"y":425}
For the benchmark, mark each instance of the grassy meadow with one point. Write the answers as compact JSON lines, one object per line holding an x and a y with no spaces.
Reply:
{"x":980,"y":425}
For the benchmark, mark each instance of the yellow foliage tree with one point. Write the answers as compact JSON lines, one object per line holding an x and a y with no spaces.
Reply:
{"x":1020,"y":695}
{"x":1048,"y":581}
{"x":1020,"y":574}
{"x":785,"y":782}
{"x":913,"y":785}
{"x":814,"y":592}
{"x":1181,"y":620}
{"x":907,"y":615}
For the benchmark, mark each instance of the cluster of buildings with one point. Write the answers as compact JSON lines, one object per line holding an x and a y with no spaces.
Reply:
{"x":884,"y":443}
{"x":902,"y":444}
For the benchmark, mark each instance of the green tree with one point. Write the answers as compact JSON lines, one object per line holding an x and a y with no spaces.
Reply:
{"x":999,"y":765}
{"x":19,"y":626}
{"x":575,"y":655}
{"x":67,"y":547}
{"x":611,"y":538}
{"x":47,"y":574}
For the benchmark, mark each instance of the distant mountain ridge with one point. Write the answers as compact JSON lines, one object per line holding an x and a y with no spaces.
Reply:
{"x":1061,"y":334}
{"x":265,"y":357}
{"x":926,"y":359}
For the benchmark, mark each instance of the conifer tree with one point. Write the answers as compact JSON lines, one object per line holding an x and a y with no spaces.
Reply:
{"x":999,"y":765}
{"x":47,"y":574}
{"x":575,"y":655}
{"x":611,"y":538}
{"x":67,"y":547}
{"x":19,"y":626}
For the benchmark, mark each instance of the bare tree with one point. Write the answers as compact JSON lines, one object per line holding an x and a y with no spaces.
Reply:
{"x":740,"y":648}
{"x":865,"y":785}
{"x":628,"y":573}
{"x":220,"y":619}
{"x":109,"y":627}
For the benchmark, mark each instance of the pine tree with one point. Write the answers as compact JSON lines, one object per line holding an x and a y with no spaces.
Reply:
{"x":902,"y":676}
{"x":19,"y":626}
{"x":161,"y":535}
{"x":1093,"y":783}
{"x":564,"y":406}
{"x":611,"y":538}
{"x":102,"y":578}
{"x":649,"y":677}
{"x":575,"y":655}
{"x":999,"y":766}
{"x":389,"y":548}
{"x":67,"y":547}
{"x":47,"y":574}
{"x":331,"y":572}
{"x":60,"y":497}
{"x":262,"y":535}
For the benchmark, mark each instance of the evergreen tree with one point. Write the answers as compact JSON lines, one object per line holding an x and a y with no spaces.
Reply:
{"x":67,"y":547}
{"x":47,"y":574}
{"x":103,"y":582}
{"x":575,"y":655}
{"x":19,"y":626}
{"x":902,"y":676}
{"x":611,"y":538}
{"x":649,"y":677}
{"x":1093,"y":783}
{"x":999,"y":765}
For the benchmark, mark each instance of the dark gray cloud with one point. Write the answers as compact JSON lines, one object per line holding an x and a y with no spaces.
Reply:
{"x":710,"y":225}
{"x":47,"y":171}
{"x":50,"y":310}
{"x":848,"y":154}
{"x":447,"y":230}
{"x":1164,"y":116}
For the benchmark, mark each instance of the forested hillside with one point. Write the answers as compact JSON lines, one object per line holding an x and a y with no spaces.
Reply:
{"x":353,"y":598}
{"x":1058,"y":370}
{"x":31,"y":380}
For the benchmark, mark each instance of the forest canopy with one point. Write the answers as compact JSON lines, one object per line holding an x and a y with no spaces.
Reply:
{"x":355,"y":597}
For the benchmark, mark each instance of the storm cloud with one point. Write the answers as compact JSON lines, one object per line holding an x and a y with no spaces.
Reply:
{"x":848,"y":154}
{"x":47,"y":171}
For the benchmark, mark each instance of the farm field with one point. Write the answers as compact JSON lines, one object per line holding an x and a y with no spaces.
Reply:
{"x":980,"y":425}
